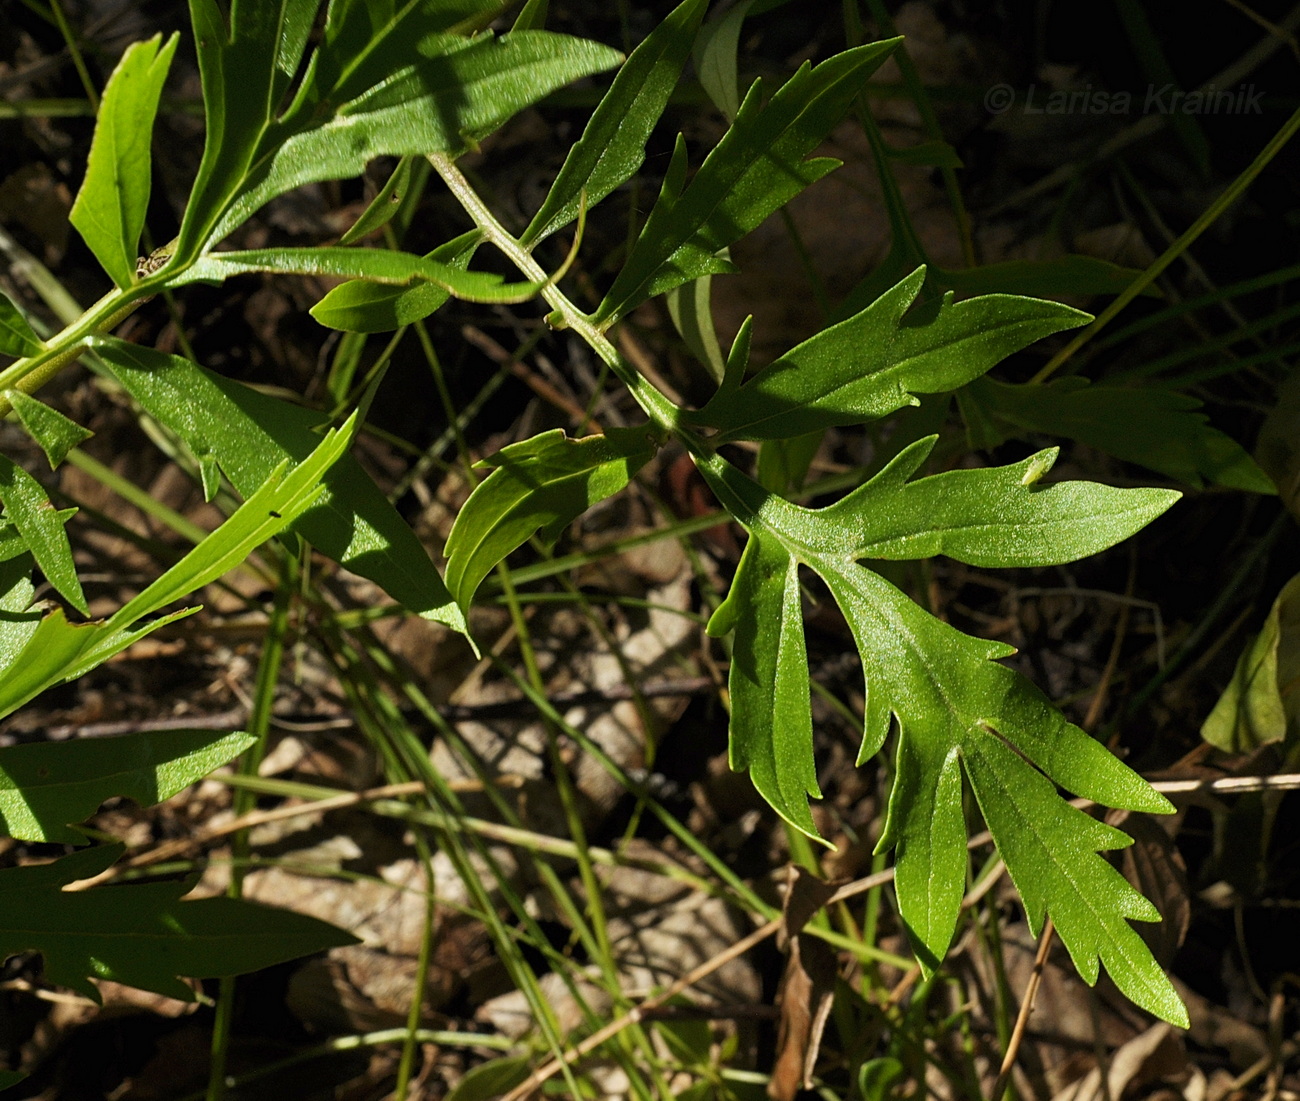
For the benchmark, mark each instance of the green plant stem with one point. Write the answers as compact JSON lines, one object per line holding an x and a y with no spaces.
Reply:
{"x":661,"y":411}
{"x":917,"y":93}
{"x":1230,"y":195}
{"x":33,"y":372}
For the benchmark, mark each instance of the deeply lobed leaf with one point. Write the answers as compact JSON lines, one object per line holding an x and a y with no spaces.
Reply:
{"x":769,"y":677}
{"x":957,"y":710}
{"x":981,"y":517}
{"x":875,"y":362}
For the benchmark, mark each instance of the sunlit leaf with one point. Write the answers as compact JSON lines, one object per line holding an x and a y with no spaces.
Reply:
{"x":57,"y":650}
{"x":46,"y":787}
{"x":612,"y":146}
{"x":28,"y":508}
{"x":360,"y":306}
{"x":877,"y":361}
{"x":375,"y":265}
{"x":18,"y":621}
{"x":110,"y":208}
{"x":56,"y":434}
{"x":250,"y":434}
{"x":1033,"y":525}
{"x":377,"y":85}
{"x":537,"y":486}
{"x":958,"y":712}
{"x":769,"y":677}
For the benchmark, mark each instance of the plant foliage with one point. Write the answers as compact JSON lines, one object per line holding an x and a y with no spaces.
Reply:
{"x":426,"y":79}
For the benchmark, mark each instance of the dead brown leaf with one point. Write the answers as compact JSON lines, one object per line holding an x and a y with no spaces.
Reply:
{"x":1155,"y":1057}
{"x":807,"y":987}
{"x":1155,"y":867}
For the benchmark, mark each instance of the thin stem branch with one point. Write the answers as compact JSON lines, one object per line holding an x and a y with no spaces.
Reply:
{"x":656,"y":406}
{"x":1026,"y":1008}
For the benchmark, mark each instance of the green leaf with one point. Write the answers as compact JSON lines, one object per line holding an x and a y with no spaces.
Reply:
{"x":250,"y":434}
{"x":769,"y":677}
{"x":383,"y":206}
{"x":532,"y":16}
{"x":246,"y":70}
{"x":537,"y":485}
{"x":957,"y":711}
{"x":1260,"y":705}
{"x":360,"y":306}
{"x":612,"y":146}
{"x":783,"y":465}
{"x":57,"y":650}
{"x":691,"y":308}
{"x":715,"y":58}
{"x":997,"y":517}
{"x":1072,"y":274}
{"x":877,"y":1078}
{"x":1158,"y":429}
{"x":143,"y":935}
{"x":46,"y":787}
{"x":376,"y":265}
{"x":756,"y":168}
{"x":12,"y":544}
{"x":110,"y":208}
{"x":877,"y":361}
{"x":29,"y":510}
{"x":17,"y":621}
{"x":17,"y":338}
{"x":412,"y":89}
{"x":56,"y":434}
